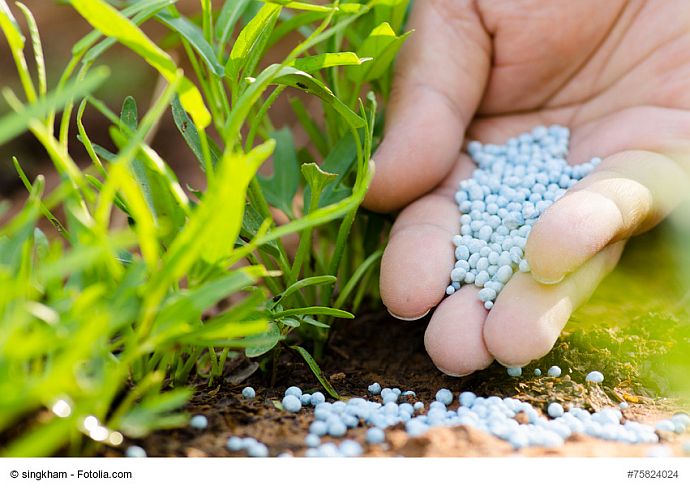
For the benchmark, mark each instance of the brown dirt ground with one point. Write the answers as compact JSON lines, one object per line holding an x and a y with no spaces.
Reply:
{"x":378,"y":348}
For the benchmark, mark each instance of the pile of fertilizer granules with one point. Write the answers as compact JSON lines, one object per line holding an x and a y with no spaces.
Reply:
{"x":511,"y":188}
{"x":517,"y":422}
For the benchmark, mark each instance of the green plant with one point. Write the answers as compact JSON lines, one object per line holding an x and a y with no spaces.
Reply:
{"x":636,"y":327}
{"x":100,"y":326}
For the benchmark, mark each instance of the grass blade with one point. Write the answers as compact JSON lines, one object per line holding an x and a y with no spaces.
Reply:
{"x":304,"y":81}
{"x":318,"y":62}
{"x":15,"y":39}
{"x":190,"y":133}
{"x":316,"y":370}
{"x":251,"y":42}
{"x":316,"y":136}
{"x":229,"y":15}
{"x":141,"y":11}
{"x":188,"y":305}
{"x":314,"y":310}
{"x":195,"y":37}
{"x":141,"y":16}
{"x":355,"y":278}
{"x":37,"y":48}
{"x":298,"y":23}
{"x":281,"y":187}
{"x":391,"y":11}
{"x":14,"y":124}
{"x":213,"y":334}
{"x":381,"y":45}
{"x":210,"y":234}
{"x":112,"y":23}
{"x":309,"y":7}
{"x":309,"y":281}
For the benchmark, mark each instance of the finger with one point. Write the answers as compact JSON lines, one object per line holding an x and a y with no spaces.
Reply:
{"x":528,"y":316}
{"x":630,"y":192}
{"x":417,"y":261}
{"x":454,"y":338}
{"x":439,"y":81}
{"x":419,"y":256}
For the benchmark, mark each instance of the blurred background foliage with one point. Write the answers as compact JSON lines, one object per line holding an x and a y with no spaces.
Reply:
{"x":150,"y":251}
{"x":636,"y":327}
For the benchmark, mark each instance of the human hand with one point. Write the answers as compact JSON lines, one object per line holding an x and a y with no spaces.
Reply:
{"x":616,"y":73}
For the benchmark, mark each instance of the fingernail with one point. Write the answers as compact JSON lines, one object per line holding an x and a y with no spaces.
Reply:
{"x":409,"y":319}
{"x":543,"y":280}
{"x":453,"y":375}
{"x":512,"y":365}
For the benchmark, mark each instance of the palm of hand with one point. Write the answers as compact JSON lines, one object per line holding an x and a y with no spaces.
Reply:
{"x":616,"y":73}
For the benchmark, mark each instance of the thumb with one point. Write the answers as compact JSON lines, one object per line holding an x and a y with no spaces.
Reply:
{"x":630,"y":192}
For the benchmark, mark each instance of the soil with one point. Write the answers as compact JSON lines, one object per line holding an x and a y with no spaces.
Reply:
{"x":377,"y":348}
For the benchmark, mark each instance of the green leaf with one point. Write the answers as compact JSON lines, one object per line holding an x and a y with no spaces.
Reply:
{"x":213,"y":228}
{"x":302,"y":6}
{"x":190,"y":133}
{"x":216,"y":333}
{"x":41,"y":243}
{"x":356,"y":277}
{"x":13,"y":33}
{"x":246,"y":101}
{"x":15,"y":123}
{"x":112,"y":23}
{"x":314,"y":310}
{"x":129,"y":116}
{"x":382,"y":45}
{"x":318,"y":62}
{"x":129,"y":119}
{"x":316,"y":136}
{"x":37,"y":48}
{"x":189,"y":305}
{"x":142,"y":11}
{"x":15,"y":40}
{"x":21,"y":228}
{"x":40,"y":439}
{"x":304,"y":81}
{"x":251,"y":227}
{"x":280,"y":189}
{"x":193,"y":35}
{"x":153,"y":413}
{"x":316,"y":323}
{"x":163,"y":194}
{"x":264,"y":342}
{"x":379,"y":66}
{"x":317,"y":180}
{"x":298,"y":23}
{"x":326,"y":213}
{"x":229,"y":15}
{"x":243,"y":319}
{"x":316,"y":370}
{"x":289,"y":323}
{"x":391,"y":11}
{"x":251,"y":42}
{"x":339,"y":161}
{"x":309,"y":281}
